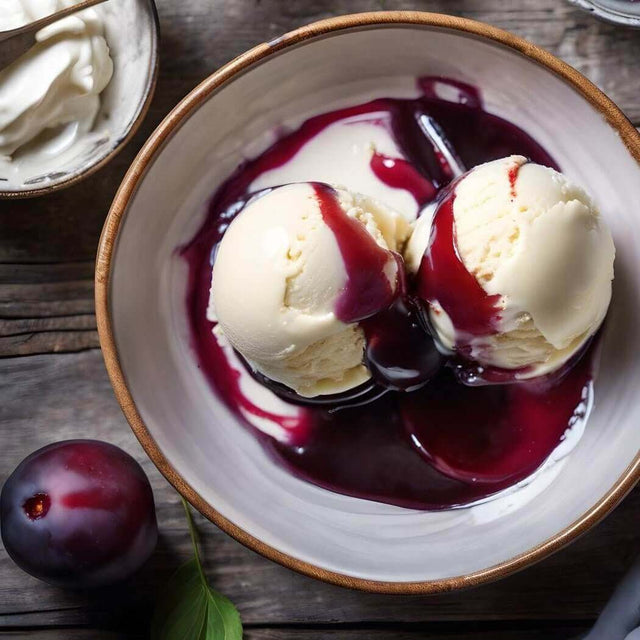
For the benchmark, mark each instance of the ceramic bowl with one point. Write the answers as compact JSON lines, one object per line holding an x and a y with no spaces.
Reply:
{"x":621,"y":12}
{"x":132,"y":33}
{"x":193,"y":439}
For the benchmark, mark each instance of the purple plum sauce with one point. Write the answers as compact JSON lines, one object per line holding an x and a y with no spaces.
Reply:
{"x":442,"y":277}
{"x":400,"y":354}
{"x":445,"y":445}
{"x":398,"y":173}
{"x":419,"y":438}
{"x":368,"y":290}
{"x":78,"y":513}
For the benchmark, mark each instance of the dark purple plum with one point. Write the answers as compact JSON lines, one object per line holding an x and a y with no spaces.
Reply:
{"x":78,"y":513}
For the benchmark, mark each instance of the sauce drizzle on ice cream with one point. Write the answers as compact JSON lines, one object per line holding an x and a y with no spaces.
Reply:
{"x":444,"y":278}
{"x":368,"y":289}
{"x":433,"y":447}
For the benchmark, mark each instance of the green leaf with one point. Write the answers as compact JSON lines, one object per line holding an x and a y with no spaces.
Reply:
{"x":223,"y":619}
{"x":190,"y":609}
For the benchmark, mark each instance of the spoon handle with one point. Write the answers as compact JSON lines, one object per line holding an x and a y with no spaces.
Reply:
{"x":32,"y":27}
{"x":436,"y":136}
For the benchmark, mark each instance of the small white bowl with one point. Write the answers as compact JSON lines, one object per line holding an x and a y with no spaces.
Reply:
{"x":195,"y":441}
{"x":132,"y":33}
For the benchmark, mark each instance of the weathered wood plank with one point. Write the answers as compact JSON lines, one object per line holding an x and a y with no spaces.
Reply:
{"x":20,"y":326}
{"x":38,"y":273}
{"x":71,"y":634}
{"x":46,"y":299}
{"x":429,"y":632}
{"x":64,"y":396}
{"x":56,"y":334}
{"x":34,"y":342}
{"x":426,"y":632}
{"x":46,"y":308}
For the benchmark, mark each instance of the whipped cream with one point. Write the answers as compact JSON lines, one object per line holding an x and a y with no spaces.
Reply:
{"x":56,"y":85}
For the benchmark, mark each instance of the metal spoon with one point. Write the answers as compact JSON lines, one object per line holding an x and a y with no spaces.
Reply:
{"x":15,"y":42}
{"x":442,"y":146}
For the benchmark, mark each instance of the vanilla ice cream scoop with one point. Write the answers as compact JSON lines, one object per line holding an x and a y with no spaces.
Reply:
{"x":516,"y":267}
{"x":295,"y":273}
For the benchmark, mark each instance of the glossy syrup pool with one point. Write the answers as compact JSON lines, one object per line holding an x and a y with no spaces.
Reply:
{"x":443,"y":444}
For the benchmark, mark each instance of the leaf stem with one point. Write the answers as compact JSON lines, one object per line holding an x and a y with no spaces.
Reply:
{"x":194,"y":542}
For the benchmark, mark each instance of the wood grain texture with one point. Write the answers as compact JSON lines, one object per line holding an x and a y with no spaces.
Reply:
{"x":53,"y":384}
{"x":427,"y":632}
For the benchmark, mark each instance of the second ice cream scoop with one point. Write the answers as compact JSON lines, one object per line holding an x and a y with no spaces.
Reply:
{"x":516,"y":267}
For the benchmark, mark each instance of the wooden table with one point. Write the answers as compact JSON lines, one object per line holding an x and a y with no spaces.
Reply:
{"x":53,"y":383}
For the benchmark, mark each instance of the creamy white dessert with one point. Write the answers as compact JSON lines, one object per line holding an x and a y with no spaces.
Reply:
{"x":277,"y":277}
{"x":53,"y":89}
{"x":535,"y":239}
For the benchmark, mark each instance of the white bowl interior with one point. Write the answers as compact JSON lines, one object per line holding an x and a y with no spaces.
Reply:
{"x":130,"y":31}
{"x":223,"y":462}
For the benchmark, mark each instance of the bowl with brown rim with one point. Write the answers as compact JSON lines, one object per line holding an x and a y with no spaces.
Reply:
{"x":190,"y":435}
